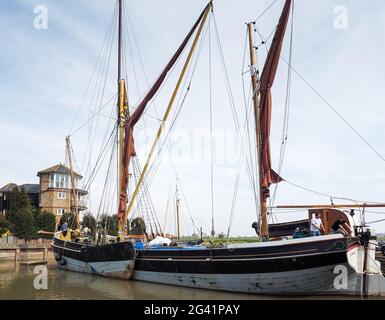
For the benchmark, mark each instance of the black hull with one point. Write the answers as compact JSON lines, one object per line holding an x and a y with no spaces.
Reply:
{"x":293,"y":267}
{"x":245,"y":260}
{"x":112,"y":260}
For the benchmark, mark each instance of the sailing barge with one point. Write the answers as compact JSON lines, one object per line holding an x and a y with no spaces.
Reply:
{"x":328,"y":264}
{"x":110,"y":260}
{"x":115,"y":260}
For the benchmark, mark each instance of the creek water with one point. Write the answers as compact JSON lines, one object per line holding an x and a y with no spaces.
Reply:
{"x":17,"y":282}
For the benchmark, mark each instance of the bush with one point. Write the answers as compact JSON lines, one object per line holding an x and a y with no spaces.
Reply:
{"x":20,"y":215}
{"x":45,"y":221}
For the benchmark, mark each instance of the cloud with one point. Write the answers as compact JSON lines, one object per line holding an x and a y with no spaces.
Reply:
{"x":45,"y":75}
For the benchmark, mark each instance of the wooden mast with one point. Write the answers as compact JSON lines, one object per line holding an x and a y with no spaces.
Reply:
{"x":264,"y":232}
{"x":74,"y":194}
{"x":121,"y":116}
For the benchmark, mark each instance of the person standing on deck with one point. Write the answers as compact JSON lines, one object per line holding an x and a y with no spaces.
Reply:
{"x":316,"y":225}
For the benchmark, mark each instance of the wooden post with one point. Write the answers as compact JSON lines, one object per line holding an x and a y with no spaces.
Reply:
{"x":45,"y":254}
{"x":17,"y":254}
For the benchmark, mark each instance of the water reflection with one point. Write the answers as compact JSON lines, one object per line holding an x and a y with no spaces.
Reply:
{"x":16,"y":282}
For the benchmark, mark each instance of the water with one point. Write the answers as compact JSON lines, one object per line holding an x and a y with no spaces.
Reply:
{"x":17,"y":282}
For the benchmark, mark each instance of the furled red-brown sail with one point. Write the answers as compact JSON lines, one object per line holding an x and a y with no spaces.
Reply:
{"x":129,"y":147}
{"x":267,"y":80}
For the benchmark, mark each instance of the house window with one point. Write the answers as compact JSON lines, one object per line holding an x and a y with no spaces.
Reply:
{"x":60,"y":212}
{"x":58,"y":180}
{"x":62,"y":195}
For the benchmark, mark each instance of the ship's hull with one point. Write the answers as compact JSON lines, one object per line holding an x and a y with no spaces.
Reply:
{"x":298,"y":267}
{"x":313,"y":281}
{"x":112,"y":260}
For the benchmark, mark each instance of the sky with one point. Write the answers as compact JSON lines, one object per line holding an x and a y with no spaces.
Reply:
{"x":338,"y":47}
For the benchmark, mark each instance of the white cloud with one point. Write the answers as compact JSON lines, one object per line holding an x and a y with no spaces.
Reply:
{"x":45,"y":74}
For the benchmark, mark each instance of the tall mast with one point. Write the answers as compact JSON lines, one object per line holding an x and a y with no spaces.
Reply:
{"x":177,"y":211}
{"x":73,"y":181}
{"x":122,"y":108}
{"x":263,"y":232}
{"x":262,"y":99}
{"x":120,"y":40}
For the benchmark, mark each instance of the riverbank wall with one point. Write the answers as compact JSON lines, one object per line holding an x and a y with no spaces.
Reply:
{"x":12,"y":248}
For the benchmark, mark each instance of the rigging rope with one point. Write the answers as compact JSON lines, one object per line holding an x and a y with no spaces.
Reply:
{"x":335,"y":111}
{"x":266,"y":10}
{"x":166,"y":114}
{"x":328,"y":195}
{"x":141,"y":60}
{"x":330,"y":106}
{"x":157,"y":160}
{"x":109,"y":28}
{"x":285,"y":126}
{"x":182,"y":99}
{"x":235,"y":115}
{"x":94,"y":114}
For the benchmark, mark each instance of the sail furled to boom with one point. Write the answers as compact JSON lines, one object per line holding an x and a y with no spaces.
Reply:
{"x":129,"y":147}
{"x":265,"y":106}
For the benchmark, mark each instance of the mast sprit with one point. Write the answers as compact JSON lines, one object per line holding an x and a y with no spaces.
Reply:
{"x":140,"y":109}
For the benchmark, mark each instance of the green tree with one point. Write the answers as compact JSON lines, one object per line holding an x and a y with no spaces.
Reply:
{"x":137,"y":227}
{"x":70,"y":219}
{"x":45,"y":221}
{"x":4,"y":226}
{"x":89,"y":222}
{"x":109,"y":223}
{"x":20,"y":215}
